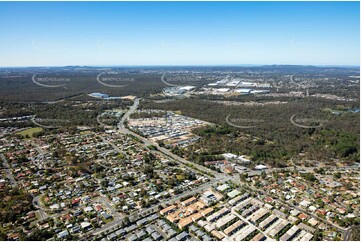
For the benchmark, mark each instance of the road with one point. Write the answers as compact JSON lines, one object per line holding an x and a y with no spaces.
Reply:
{"x":144,"y":212}
{"x":106,"y":227}
{"x":38,"y":149}
{"x":167,"y":83}
{"x":101,"y":123}
{"x":342,"y":230}
{"x":294,"y":82}
{"x":36,"y":203}
{"x":163,"y":150}
{"x":198,"y":189}
{"x":127,"y":114}
{"x":8,"y":172}
{"x":105,"y":201}
{"x":116,"y":148}
{"x":218,"y":176}
{"x":42,"y":126}
{"x":233,"y":210}
{"x":184,"y":161}
{"x":347,"y":234}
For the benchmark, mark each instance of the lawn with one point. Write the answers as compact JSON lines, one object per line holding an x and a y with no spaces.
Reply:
{"x":30,"y":132}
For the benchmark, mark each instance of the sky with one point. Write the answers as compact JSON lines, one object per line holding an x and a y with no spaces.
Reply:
{"x":179,"y":33}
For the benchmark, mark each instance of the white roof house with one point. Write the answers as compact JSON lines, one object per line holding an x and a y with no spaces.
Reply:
{"x":223,"y":187}
{"x":261,"y":167}
{"x":85,"y":225}
{"x":88,"y":209}
{"x":63,"y":234}
{"x":229,"y":156}
{"x":305,"y":203}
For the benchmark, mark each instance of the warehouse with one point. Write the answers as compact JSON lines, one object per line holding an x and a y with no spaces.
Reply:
{"x":99,"y":95}
{"x":243,"y":90}
{"x":173,"y":91}
{"x":247,"y":84}
{"x":221,"y":90}
{"x":260,"y":91}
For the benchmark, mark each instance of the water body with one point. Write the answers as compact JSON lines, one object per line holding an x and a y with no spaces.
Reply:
{"x":352,"y":110}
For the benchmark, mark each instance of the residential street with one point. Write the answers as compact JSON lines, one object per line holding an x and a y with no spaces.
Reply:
{"x":9,"y":174}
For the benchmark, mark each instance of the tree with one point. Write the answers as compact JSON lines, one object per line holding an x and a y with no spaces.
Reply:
{"x":148,"y":170}
{"x":337,"y":175}
{"x":104,"y":183}
{"x":126,"y":221}
{"x":263,"y":174}
{"x":243,"y":176}
{"x":320,"y":171}
{"x":142,"y":192}
{"x":309,"y":177}
{"x":318,"y":236}
{"x":74,"y":160}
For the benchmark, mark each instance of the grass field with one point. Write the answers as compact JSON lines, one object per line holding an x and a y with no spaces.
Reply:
{"x":30,"y":132}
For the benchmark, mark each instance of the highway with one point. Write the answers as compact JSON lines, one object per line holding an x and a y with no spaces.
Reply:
{"x":127,"y":114}
{"x":163,"y":150}
{"x":144,"y":212}
{"x":167,"y":83}
{"x":218,"y":176}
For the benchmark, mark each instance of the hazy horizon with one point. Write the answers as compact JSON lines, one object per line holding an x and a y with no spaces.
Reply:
{"x":185,"y":65}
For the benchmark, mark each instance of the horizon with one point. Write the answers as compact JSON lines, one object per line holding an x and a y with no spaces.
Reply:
{"x":185,"y":65}
{"x":179,"y":33}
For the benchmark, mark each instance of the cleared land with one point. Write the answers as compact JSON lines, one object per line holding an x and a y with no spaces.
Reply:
{"x":30,"y":132}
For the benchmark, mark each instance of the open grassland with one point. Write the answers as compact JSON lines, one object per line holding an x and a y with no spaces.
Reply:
{"x":29,"y":132}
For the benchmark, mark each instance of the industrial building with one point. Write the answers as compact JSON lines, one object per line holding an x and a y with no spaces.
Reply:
{"x":99,"y":95}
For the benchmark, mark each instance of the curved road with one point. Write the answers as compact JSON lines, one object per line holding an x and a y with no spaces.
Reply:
{"x":167,"y":83}
{"x":42,"y":126}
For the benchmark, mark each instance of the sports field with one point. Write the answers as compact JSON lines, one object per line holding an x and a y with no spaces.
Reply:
{"x":30,"y":132}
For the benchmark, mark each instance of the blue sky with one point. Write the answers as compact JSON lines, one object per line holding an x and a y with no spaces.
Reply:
{"x":179,"y":33}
